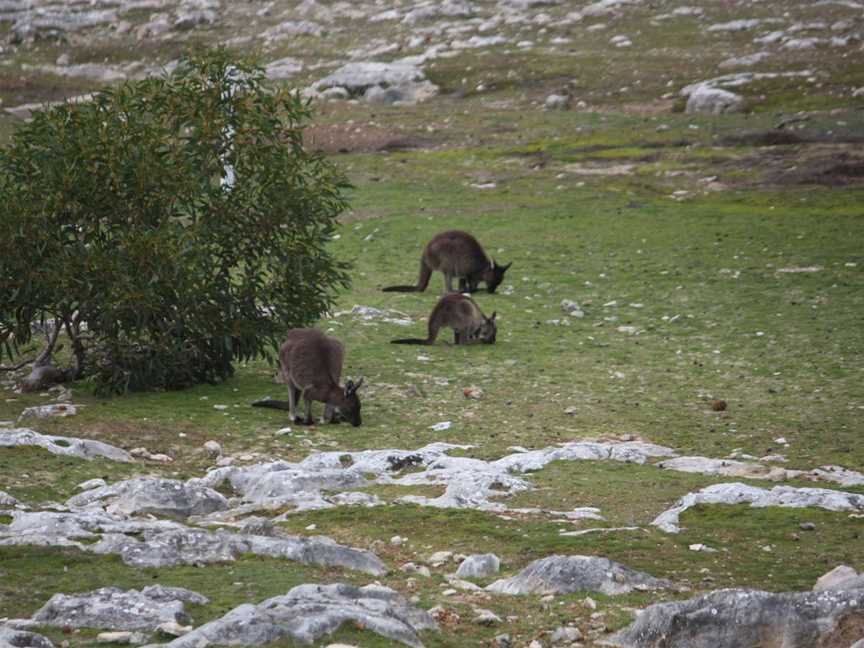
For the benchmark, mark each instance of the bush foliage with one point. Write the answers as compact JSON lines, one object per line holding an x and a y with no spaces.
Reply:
{"x":119,"y":223}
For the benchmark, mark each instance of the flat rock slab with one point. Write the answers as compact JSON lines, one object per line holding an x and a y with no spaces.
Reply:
{"x":309,"y":612}
{"x":782,"y":496}
{"x":65,"y":446}
{"x":745,"y":618}
{"x":168,"y":497}
{"x":752,"y":470}
{"x":568,"y":574}
{"x":470,"y":483}
{"x":112,"y":608}
{"x":161,"y":543}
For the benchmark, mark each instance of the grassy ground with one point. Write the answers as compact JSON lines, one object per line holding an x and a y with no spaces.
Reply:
{"x":680,"y":227}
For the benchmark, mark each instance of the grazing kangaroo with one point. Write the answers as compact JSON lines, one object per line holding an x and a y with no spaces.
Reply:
{"x":311,"y":365}
{"x":463,"y":315}
{"x":456,"y":254}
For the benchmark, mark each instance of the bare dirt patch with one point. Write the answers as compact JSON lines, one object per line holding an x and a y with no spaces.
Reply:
{"x":353,"y":138}
{"x":840,"y":170}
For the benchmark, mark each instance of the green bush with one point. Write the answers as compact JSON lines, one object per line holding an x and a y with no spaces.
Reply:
{"x":117,"y":224}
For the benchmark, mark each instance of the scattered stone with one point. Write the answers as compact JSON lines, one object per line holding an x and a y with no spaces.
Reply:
{"x":7,"y":501}
{"x":14,"y":638}
{"x":115,"y":609}
{"x":440,"y":557}
{"x":807,"y":526}
{"x":397,"y":541}
{"x":568,"y":574}
{"x":557,"y":102}
{"x":90,"y":484}
{"x":565,"y":634}
{"x":718,"y":405}
{"x":841,"y":577}
{"x":309,"y":612}
{"x":572,"y":308}
{"x":744,"y":61}
{"x":173,"y":629}
{"x":735,"y":25}
{"x":791,"y":620}
{"x":479,"y":566}
{"x":783,"y":496}
{"x":121,"y":637}
{"x":59,"y":445}
{"x":486,"y":617}
{"x":213,"y":449}
{"x":55,"y":410}
{"x":502,"y":641}
{"x":713,"y":101}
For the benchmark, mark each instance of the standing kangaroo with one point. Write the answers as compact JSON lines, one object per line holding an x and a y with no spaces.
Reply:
{"x":463,"y":315}
{"x":311,"y":365}
{"x":456,"y":254}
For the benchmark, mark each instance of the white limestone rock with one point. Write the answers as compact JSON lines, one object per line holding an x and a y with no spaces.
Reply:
{"x":309,"y":612}
{"x":841,"y":577}
{"x":142,"y":495}
{"x":782,"y":496}
{"x":115,"y":609}
{"x":568,"y":574}
{"x":791,"y":620}
{"x":59,"y":445}
{"x":479,"y":566}
{"x":714,"y":101}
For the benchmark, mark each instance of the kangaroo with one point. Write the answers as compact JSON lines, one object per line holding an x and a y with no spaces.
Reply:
{"x":311,"y":365}
{"x":456,"y":254}
{"x":463,"y":315}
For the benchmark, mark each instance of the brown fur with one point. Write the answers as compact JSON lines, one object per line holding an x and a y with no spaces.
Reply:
{"x":463,"y":315}
{"x":311,"y":366}
{"x":458,"y":255}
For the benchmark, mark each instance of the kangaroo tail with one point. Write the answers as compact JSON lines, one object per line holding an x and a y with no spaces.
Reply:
{"x":422,"y":280}
{"x":274,"y":404}
{"x":400,"y":289}
{"x":425,"y":273}
{"x":409,"y":341}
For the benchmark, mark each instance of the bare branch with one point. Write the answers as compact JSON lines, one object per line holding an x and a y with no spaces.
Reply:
{"x":18,"y":366}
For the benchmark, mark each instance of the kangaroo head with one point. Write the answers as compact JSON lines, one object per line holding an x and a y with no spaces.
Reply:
{"x":487,"y":331}
{"x":350,"y":408}
{"x":494,"y":275}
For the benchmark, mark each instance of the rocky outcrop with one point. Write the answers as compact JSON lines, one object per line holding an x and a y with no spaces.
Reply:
{"x":841,"y":577}
{"x":479,"y":566}
{"x":714,"y":101}
{"x":743,"y":618}
{"x":59,"y":445}
{"x":164,"y":497}
{"x":309,"y":612}
{"x":161,"y":543}
{"x":396,"y":82}
{"x":470,"y":483}
{"x":783,"y":496}
{"x":568,"y":574}
{"x":112,"y":608}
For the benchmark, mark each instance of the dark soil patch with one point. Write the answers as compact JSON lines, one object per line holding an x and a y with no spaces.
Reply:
{"x":353,"y":138}
{"x":778,"y":137}
{"x":839,"y":171}
{"x":764,"y":138}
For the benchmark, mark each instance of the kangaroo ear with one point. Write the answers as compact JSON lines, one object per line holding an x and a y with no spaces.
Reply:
{"x":494,"y":315}
{"x":506,"y":267}
{"x":359,"y":384}
{"x":349,"y":387}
